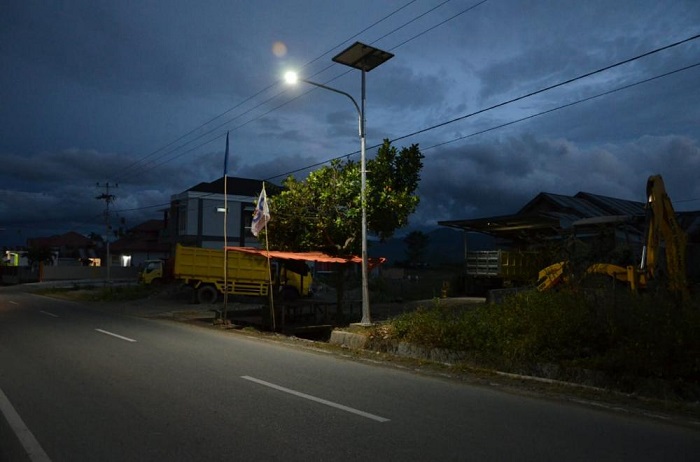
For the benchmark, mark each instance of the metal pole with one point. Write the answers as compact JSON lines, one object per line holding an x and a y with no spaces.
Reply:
{"x":363,"y":199}
{"x":224,"y":312}
{"x":108,"y":198}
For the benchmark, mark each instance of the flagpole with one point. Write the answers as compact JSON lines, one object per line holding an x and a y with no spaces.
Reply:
{"x":269,"y":269}
{"x":224,"y":314}
{"x":260,"y":218}
{"x":269,"y":275}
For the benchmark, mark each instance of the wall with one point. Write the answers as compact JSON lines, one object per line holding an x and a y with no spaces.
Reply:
{"x":62,"y":273}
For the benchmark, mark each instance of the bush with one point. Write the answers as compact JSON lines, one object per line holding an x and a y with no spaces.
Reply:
{"x":653,"y":336}
{"x":622,"y":335}
{"x":434,"y":327}
{"x":536,"y":326}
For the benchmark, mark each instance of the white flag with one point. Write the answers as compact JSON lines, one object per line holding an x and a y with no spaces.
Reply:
{"x":261,"y":215}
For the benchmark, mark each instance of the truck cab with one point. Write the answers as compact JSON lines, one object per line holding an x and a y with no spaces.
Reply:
{"x":152,"y":272}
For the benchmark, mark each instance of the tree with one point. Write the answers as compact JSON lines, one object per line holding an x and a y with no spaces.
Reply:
{"x":39,"y":256}
{"x":393,"y":178}
{"x":416,"y":245}
{"x":324,"y":212}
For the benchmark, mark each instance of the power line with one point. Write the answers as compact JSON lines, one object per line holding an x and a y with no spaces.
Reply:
{"x":481,"y":111}
{"x":194,"y":148}
{"x":583,"y":100}
{"x":433,"y":27}
{"x":480,"y":132}
{"x":264,"y":90}
{"x":588,"y":74}
{"x":551,"y":87}
{"x":504,"y":103}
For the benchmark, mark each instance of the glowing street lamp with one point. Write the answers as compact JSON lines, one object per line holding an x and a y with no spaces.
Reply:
{"x":365,"y":58}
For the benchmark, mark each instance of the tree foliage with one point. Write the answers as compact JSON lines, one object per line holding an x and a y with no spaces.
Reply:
{"x":38,"y":255}
{"x":324,"y":212}
{"x":393,"y":178}
{"x":416,"y":246}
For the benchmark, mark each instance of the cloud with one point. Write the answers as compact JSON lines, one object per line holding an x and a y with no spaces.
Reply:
{"x":480,"y":180}
{"x":278,"y":169}
{"x":98,"y":91}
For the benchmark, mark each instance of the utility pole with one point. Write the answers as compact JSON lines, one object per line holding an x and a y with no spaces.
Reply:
{"x":108,"y":198}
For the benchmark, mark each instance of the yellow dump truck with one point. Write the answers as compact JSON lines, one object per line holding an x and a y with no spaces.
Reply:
{"x":203,"y":270}
{"x":496,"y":269}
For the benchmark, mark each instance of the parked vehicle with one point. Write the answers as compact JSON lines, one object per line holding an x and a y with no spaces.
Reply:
{"x":491,"y":269}
{"x":246,"y":274}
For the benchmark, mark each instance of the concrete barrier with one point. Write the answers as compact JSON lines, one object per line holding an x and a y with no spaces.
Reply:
{"x":348,"y":340}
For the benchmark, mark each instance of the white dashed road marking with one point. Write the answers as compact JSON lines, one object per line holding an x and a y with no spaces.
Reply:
{"x":26,"y":438}
{"x":318,"y":400}
{"x":115,"y":335}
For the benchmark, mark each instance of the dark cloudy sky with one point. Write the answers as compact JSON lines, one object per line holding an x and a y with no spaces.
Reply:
{"x":142,"y":94}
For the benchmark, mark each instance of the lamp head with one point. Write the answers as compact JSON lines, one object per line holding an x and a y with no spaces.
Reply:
{"x":291,"y":77}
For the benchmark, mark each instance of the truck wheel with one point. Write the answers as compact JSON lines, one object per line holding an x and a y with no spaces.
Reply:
{"x":207,"y":295}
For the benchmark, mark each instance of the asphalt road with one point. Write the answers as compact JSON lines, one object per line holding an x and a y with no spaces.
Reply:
{"x":78,"y":384}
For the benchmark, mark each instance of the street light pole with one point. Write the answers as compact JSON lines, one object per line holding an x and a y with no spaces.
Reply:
{"x":365,"y":58}
{"x":366,"y":319}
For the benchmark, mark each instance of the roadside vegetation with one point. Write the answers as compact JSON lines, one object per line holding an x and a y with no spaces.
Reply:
{"x":649,"y":344}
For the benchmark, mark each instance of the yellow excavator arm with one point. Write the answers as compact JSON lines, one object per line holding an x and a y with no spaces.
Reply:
{"x":551,"y":276}
{"x":662,"y":223}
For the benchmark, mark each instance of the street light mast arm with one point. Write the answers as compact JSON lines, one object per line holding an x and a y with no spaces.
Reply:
{"x":334,"y":90}
{"x":365,"y":58}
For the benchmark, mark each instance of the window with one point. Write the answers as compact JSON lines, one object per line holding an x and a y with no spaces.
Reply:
{"x":182,"y":218}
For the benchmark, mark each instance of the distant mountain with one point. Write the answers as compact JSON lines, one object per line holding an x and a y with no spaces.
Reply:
{"x":445,"y":246}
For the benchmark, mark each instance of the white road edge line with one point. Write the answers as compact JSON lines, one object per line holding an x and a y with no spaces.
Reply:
{"x":14,"y":302}
{"x":48,"y":314}
{"x":115,"y":335}
{"x":318,"y":400}
{"x":26,"y":438}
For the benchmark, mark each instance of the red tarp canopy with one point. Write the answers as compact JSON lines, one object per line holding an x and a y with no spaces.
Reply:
{"x":305,"y":256}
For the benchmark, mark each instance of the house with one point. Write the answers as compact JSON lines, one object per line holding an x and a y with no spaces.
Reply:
{"x":142,"y":242}
{"x":196,"y":216}
{"x":70,"y":247}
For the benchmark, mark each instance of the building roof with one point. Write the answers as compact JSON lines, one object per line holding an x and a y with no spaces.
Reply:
{"x":70,"y":239}
{"x":153,"y":225}
{"x":234,"y":186}
{"x":143,"y":237}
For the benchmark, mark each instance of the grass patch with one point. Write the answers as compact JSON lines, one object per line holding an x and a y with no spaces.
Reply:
{"x":631,"y":341}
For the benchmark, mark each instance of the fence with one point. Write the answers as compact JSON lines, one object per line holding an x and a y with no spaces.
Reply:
{"x":25,"y":274}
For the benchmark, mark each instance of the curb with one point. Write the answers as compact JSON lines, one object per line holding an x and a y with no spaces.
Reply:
{"x":348,"y":340}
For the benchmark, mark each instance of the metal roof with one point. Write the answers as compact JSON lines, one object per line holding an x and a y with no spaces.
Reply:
{"x":613,"y":205}
{"x":549,"y":214}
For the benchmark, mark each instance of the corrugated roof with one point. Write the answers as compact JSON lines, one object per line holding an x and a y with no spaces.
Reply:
{"x":613,"y":205}
{"x":548,"y":214}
